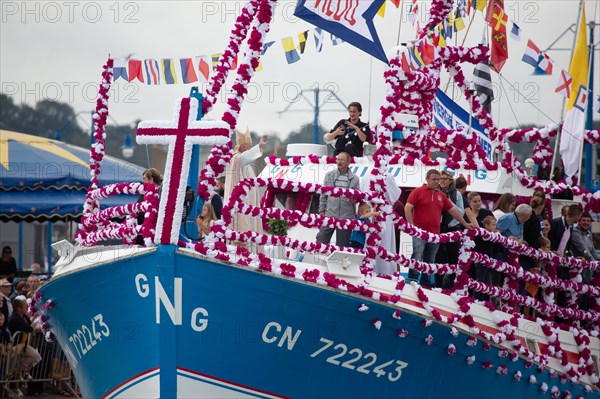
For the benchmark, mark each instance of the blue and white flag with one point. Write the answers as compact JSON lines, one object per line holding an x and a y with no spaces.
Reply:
{"x":349,"y":20}
{"x":265,"y":47}
{"x":336,"y":40}
{"x":449,"y":115}
{"x":319,"y":37}
{"x":120,"y":69}
{"x":515,"y":32}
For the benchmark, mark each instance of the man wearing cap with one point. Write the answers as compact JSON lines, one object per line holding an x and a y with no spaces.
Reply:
{"x":240,"y":167}
{"x":6,"y":306}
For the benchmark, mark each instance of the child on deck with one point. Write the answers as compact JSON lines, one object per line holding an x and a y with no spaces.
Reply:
{"x":483,"y":273}
{"x":357,"y":239}
{"x":533,"y":289}
{"x":204,"y":220}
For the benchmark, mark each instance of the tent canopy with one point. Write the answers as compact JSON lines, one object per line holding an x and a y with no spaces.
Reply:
{"x":43,"y":179}
{"x":31,"y":163}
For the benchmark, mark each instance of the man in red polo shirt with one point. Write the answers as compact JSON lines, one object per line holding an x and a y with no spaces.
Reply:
{"x":424,"y":208}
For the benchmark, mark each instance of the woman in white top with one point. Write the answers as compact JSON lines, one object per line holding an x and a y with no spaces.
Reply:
{"x":505,"y":204}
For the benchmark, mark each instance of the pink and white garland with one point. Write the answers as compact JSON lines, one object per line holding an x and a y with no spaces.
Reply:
{"x":98,"y":226}
{"x":100,"y":117}
{"x":32,"y":310}
{"x":243,"y":257}
{"x":221,"y":155}
{"x":238,"y":34}
{"x":300,"y":160}
{"x":439,"y":10}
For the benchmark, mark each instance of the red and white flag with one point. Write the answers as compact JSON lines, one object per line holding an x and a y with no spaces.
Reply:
{"x":564,"y":84}
{"x":546,"y":64}
{"x":202,"y":64}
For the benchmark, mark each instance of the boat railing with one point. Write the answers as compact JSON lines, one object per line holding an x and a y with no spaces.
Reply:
{"x":120,"y":222}
{"x":514,"y":274}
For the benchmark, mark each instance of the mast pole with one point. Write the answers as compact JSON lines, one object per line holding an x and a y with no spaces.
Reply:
{"x":589,"y":148}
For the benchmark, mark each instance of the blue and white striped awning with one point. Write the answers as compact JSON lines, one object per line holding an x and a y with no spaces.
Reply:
{"x":44,"y":179}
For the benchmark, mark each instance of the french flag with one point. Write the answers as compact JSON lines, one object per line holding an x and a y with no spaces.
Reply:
{"x":532,"y":54}
{"x":545,"y":64}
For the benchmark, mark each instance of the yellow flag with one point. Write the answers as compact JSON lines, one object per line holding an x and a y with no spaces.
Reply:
{"x":579,"y":63}
{"x":442,"y":36}
{"x":481,"y":4}
{"x":381,"y":11}
{"x":459,"y":24}
{"x":571,"y":139}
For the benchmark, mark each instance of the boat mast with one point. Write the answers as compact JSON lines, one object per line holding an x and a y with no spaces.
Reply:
{"x":589,"y":121}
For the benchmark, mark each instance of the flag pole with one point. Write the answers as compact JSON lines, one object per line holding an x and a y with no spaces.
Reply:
{"x":400,"y":25}
{"x":588,"y":115}
{"x":562,"y":117}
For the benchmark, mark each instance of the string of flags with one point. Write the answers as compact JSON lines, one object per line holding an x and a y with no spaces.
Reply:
{"x":423,"y":52}
{"x":189,"y":70}
{"x":414,"y":56}
{"x":198,"y":69}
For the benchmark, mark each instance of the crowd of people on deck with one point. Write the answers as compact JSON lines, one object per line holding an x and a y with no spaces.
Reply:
{"x":440,"y":205}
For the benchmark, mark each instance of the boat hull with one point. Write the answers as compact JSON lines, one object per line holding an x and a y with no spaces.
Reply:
{"x":171,"y":324}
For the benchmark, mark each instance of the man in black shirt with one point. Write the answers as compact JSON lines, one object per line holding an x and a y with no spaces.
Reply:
{"x":350,"y":134}
{"x":8,"y":264}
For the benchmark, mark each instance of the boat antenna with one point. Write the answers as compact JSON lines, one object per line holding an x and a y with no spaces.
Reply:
{"x":505,"y":92}
{"x":399,"y":27}
{"x":370,"y":86}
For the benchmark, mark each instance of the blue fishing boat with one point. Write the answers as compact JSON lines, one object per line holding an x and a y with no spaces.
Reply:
{"x":228,"y":317}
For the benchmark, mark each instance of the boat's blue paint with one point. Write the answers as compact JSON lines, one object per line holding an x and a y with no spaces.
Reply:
{"x":247,"y":313}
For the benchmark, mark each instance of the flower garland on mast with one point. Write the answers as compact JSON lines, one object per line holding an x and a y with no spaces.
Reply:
{"x":220,"y":156}
{"x":238,"y":34}
{"x":97,"y":149}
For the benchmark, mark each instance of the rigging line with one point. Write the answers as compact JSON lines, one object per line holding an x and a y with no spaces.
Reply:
{"x":400,"y":24}
{"x":509,"y":105}
{"x":534,"y":106}
{"x":512,"y":87}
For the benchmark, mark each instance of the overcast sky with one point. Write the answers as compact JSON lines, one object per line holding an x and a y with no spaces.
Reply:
{"x":55,"y":50}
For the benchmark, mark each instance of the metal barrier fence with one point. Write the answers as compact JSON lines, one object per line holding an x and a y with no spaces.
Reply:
{"x":31,"y":366}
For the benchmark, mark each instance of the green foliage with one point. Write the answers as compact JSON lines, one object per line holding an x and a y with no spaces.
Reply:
{"x":278,"y":227}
